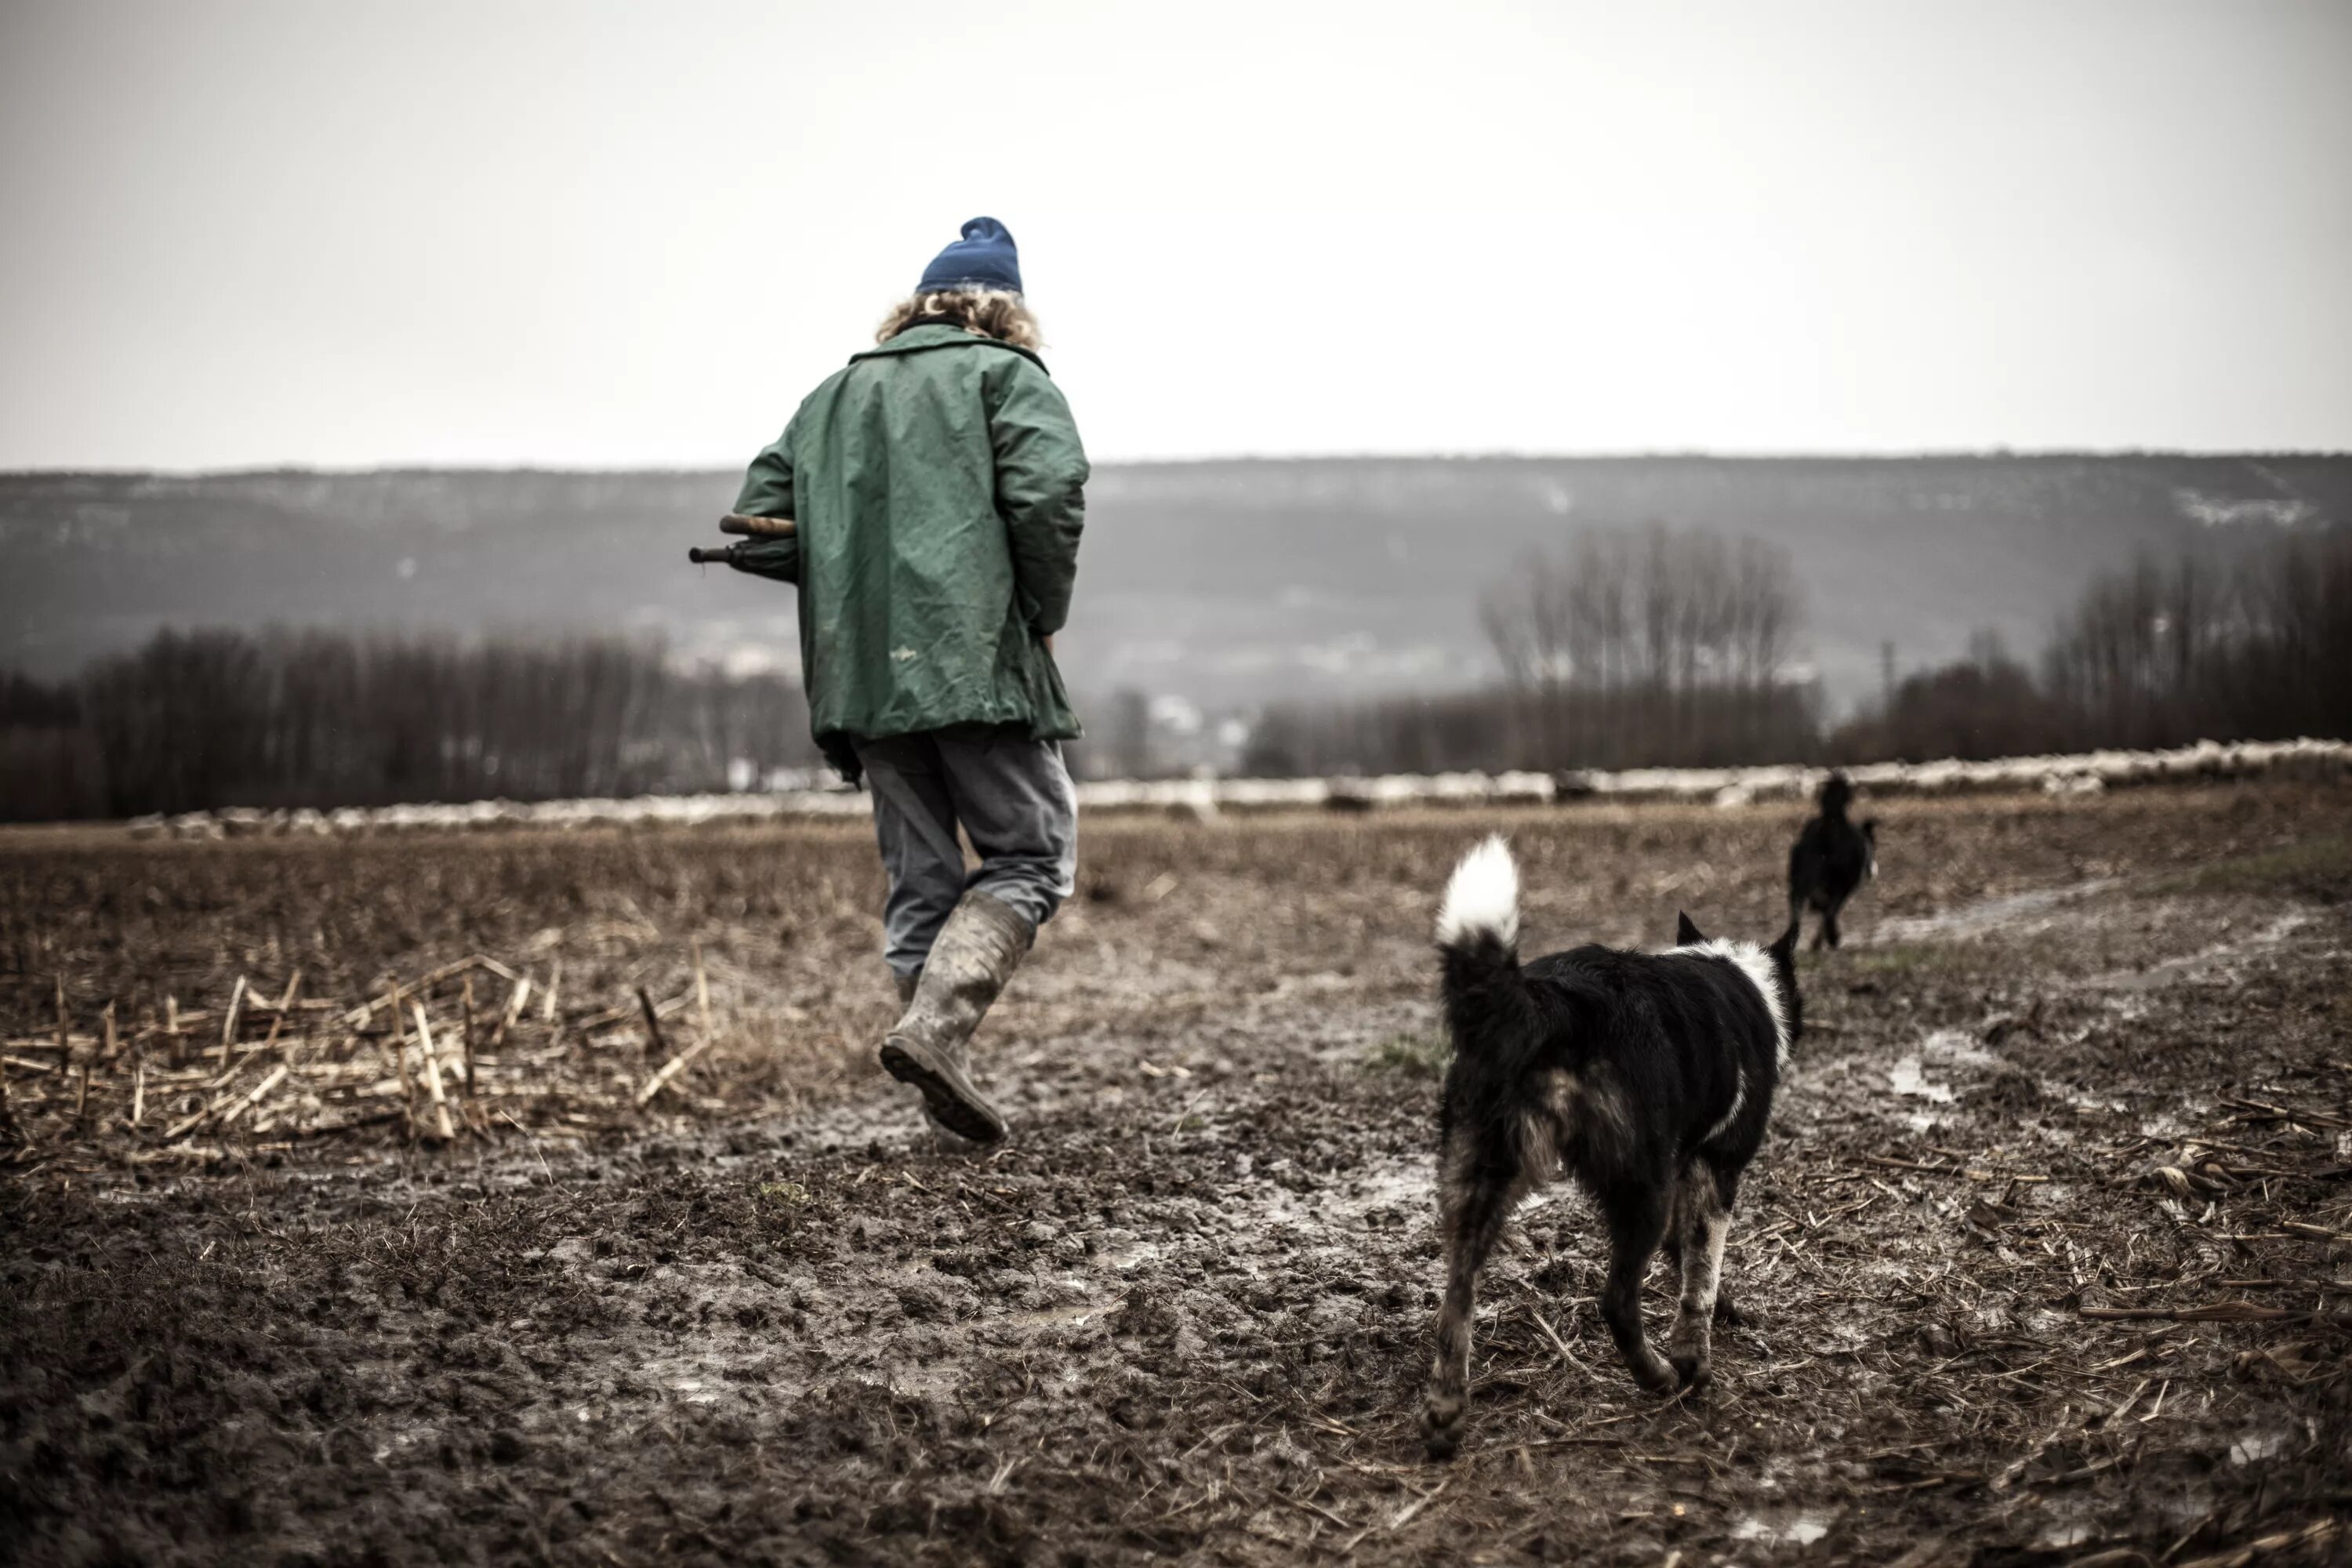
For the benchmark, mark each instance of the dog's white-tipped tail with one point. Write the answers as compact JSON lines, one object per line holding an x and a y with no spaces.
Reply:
{"x":1482,"y":901}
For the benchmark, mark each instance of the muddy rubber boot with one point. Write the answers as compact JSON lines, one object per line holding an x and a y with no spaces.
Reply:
{"x":906,"y":985}
{"x":977,"y":952}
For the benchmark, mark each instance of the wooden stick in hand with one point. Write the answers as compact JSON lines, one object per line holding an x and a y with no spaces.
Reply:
{"x":758,"y":527}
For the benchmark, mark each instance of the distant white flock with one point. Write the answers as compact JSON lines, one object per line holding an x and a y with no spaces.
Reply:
{"x":2084,"y":773}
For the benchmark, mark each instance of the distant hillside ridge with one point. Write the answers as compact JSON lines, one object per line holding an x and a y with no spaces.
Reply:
{"x":1224,"y":583}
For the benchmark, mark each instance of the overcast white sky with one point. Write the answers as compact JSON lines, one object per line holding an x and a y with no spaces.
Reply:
{"x":608,"y":234}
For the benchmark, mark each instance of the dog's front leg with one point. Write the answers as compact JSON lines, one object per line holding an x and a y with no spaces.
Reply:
{"x":1638,"y":1212}
{"x":1474,"y":1200}
{"x":1704,"y":1218}
{"x":1727,"y":1312}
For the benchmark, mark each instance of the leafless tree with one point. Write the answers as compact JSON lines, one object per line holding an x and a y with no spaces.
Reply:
{"x":317,"y":718}
{"x":1650,"y":645}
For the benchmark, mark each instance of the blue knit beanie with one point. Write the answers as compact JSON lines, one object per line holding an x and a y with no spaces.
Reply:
{"x":985,"y":257}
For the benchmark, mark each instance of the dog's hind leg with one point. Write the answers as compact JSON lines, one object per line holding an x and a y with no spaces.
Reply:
{"x":1703,"y":1215}
{"x":1829,"y":922}
{"x":1475,"y":1199}
{"x":1638,"y":1214}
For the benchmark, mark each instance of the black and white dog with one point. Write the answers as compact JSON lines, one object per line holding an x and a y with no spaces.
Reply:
{"x":1647,"y":1076}
{"x":1831,"y":858}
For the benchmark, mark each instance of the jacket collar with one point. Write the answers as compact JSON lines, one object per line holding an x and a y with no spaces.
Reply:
{"x":914,"y":340}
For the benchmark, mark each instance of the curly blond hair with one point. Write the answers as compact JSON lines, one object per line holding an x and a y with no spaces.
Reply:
{"x":984,"y":312}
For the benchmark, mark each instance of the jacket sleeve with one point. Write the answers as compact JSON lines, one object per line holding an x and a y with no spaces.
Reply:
{"x":1040,"y":479}
{"x":768,"y":485}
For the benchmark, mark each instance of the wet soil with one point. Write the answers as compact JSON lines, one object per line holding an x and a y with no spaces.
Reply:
{"x":2049,"y":1256}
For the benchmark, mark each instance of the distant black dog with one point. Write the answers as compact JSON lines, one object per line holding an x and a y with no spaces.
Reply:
{"x":1831,"y":858}
{"x":1647,"y":1076}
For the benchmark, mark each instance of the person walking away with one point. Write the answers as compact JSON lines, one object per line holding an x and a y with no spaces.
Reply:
{"x":937,"y":485}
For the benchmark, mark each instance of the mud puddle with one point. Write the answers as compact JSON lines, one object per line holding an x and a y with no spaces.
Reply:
{"x":2025,"y":912}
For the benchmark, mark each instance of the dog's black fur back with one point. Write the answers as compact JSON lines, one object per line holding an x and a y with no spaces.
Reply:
{"x":1831,"y":857}
{"x":1647,"y":1076}
{"x":1598,"y":1007}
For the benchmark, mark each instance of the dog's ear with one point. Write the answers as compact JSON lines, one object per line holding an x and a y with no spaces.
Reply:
{"x":1783,"y":954}
{"x":1686,"y":934}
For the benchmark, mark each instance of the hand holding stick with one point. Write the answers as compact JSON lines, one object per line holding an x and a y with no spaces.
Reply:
{"x":750,"y":527}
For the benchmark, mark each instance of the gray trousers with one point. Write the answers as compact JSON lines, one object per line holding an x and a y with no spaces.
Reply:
{"x":1013,"y":797}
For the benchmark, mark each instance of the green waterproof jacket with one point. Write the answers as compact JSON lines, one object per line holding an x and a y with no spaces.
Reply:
{"x":939,"y":487}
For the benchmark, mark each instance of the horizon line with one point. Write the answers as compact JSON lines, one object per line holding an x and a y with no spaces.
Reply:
{"x":1655,"y":454}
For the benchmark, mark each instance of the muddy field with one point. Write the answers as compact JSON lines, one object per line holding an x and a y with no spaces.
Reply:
{"x":2048,"y":1260}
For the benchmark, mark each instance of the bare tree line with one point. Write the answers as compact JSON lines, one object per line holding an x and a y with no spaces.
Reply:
{"x":2160,"y":654}
{"x":1624,"y":648}
{"x":1653,"y":648}
{"x":1627,"y":648}
{"x":1649,"y":645}
{"x":2163,"y":654}
{"x":206,"y":719}
{"x":1985,"y":705}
